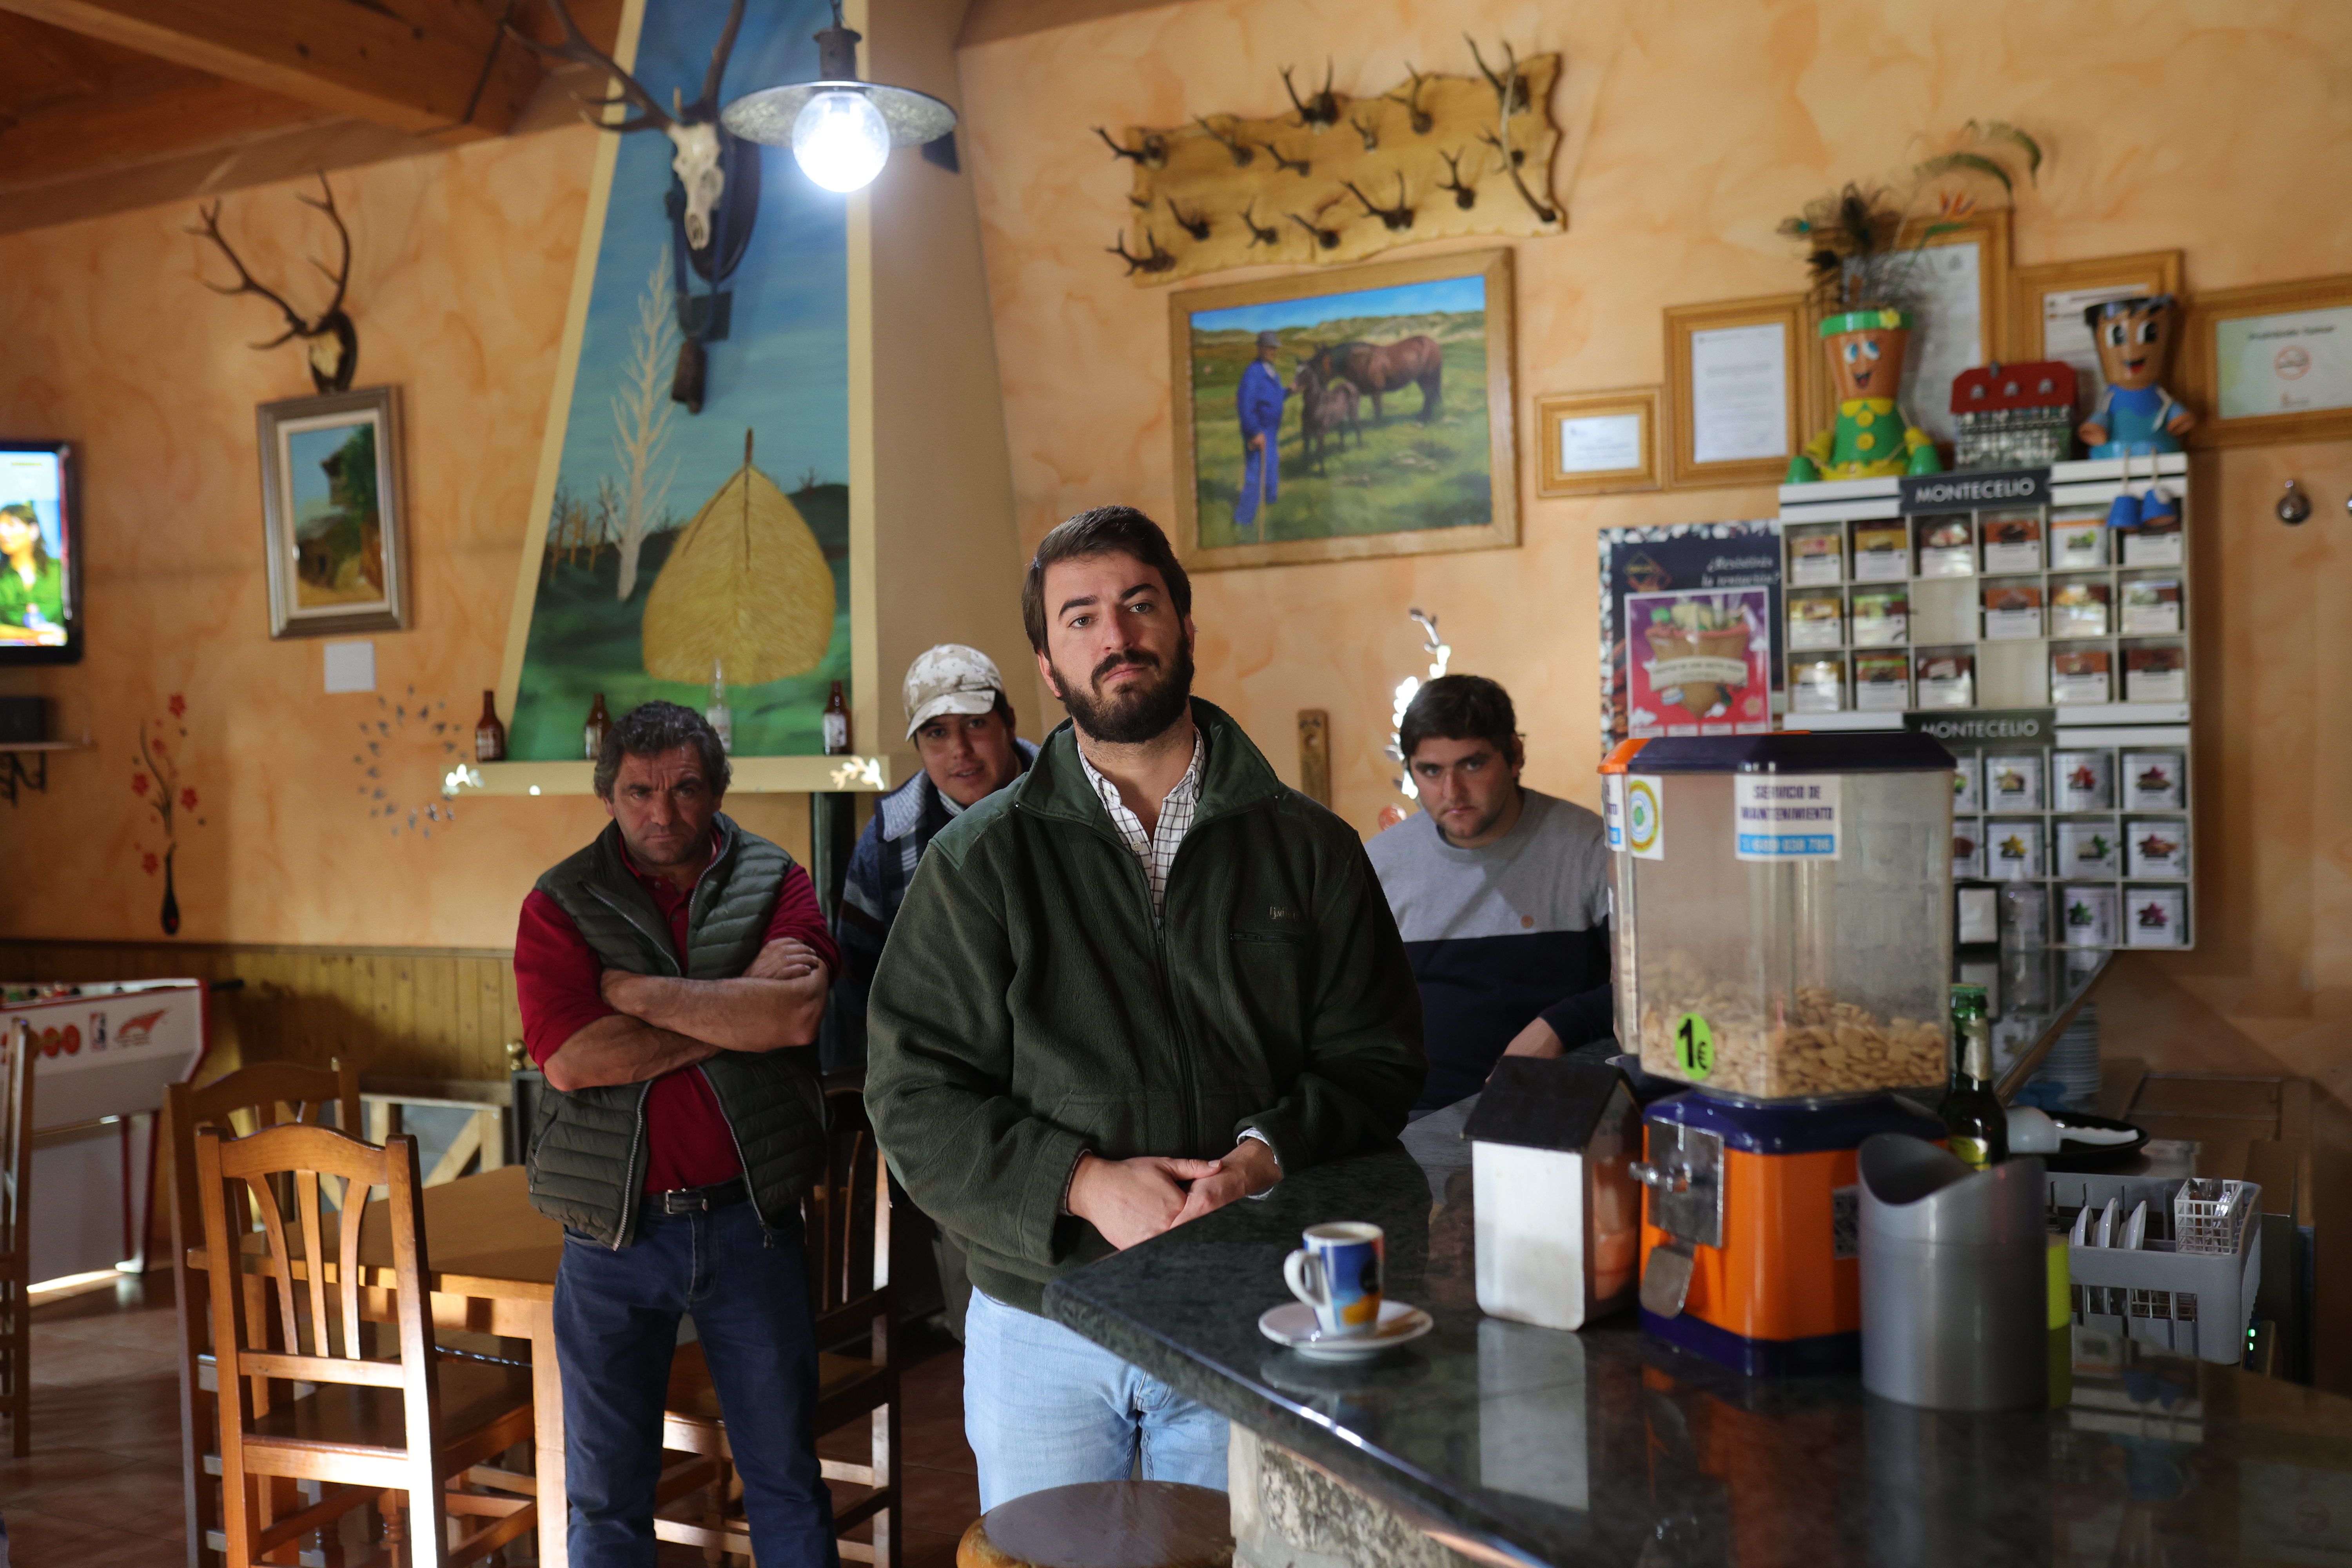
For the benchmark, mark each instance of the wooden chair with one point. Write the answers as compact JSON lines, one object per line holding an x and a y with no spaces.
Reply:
{"x":847,"y":1218}
{"x":345,"y":1430}
{"x":16,"y":1235}
{"x":270,"y":1094}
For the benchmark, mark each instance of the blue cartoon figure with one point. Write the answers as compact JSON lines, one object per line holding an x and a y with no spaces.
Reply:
{"x":2135,"y":417}
{"x":1258,"y":400}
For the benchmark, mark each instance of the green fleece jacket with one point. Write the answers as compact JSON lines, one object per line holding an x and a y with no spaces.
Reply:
{"x":1030,"y":1007}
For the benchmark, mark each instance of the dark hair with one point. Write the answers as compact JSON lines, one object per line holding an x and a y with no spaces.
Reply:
{"x":652,"y":728}
{"x":1459,"y":708}
{"x":24,"y":512}
{"x":1102,"y":531}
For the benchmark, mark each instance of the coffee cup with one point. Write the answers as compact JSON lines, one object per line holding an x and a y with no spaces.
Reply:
{"x":1339,"y":1273}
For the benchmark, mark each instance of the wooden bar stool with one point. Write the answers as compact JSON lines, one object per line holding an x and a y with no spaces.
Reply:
{"x":1104,"y":1524}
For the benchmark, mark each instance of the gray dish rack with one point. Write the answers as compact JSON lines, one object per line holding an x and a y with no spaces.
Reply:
{"x":2192,"y":1303}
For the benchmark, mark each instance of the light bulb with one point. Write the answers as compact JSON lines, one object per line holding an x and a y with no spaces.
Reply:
{"x":840,"y":140}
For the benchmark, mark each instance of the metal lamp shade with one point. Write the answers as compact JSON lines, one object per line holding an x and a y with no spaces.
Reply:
{"x":768,"y":115}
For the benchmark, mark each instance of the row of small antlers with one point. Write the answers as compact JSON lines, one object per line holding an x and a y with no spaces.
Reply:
{"x":1319,"y":111}
{"x":1396,"y":217}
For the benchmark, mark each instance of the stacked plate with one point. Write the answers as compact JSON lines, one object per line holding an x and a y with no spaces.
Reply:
{"x":2072,"y":1068}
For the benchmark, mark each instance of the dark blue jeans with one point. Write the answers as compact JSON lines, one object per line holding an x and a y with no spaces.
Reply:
{"x":616,"y":1330}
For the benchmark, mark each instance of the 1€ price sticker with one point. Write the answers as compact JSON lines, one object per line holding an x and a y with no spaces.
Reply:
{"x":1694,"y":1046}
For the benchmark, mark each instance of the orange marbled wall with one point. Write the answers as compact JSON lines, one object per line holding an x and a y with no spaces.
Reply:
{"x":463,"y":267}
{"x":2218,"y":127}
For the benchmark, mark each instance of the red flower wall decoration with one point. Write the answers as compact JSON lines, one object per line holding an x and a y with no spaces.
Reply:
{"x":155,"y":779}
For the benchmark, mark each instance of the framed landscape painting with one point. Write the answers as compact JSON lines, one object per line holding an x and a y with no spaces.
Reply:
{"x":1344,"y":415}
{"x":330,"y":510}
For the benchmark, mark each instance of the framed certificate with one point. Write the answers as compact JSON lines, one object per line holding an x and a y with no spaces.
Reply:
{"x":1598,"y":442}
{"x":1959,"y":284}
{"x":1735,"y":390}
{"x":2270,"y":362}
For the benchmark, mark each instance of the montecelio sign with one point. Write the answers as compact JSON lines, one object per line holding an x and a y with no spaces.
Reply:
{"x":1966,"y":492}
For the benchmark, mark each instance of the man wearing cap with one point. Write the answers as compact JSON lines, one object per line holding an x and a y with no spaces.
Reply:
{"x":1259,"y":401}
{"x":961,"y":726}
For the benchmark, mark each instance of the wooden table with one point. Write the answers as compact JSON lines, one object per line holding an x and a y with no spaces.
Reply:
{"x":494,"y":1259}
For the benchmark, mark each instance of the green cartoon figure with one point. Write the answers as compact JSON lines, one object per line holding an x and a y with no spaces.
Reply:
{"x":1870,"y":439}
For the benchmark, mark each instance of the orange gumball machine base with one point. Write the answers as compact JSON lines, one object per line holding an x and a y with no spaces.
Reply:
{"x":1754,"y":1211}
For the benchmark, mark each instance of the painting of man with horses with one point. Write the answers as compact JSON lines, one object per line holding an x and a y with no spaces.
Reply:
{"x":1362,"y":413}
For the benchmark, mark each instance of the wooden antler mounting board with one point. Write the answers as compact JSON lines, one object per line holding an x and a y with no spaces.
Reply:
{"x":1189,"y":175}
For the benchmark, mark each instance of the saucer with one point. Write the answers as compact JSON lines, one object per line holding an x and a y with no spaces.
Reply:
{"x":1292,"y":1324}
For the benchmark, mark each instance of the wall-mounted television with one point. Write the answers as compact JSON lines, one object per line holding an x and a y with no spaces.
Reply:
{"x":41,"y":553}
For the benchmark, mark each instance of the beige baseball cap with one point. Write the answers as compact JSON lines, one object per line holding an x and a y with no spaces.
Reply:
{"x":949,"y":679}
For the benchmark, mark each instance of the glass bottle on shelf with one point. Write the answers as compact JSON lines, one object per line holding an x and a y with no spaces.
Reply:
{"x":1975,"y":1122}
{"x":837,"y":723}
{"x":591,"y":735}
{"x":722,"y":719}
{"x":490,"y":736}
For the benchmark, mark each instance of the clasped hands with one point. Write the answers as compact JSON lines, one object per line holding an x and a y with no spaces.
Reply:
{"x":1134,"y":1200}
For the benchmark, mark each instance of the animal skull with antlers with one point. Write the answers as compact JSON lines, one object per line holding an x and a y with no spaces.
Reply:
{"x":717,"y":197}
{"x":330,"y":340}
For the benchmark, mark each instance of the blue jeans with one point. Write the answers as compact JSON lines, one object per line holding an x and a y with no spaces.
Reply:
{"x":615,"y":1331}
{"x":1255,"y":465}
{"x":1047,"y":1407}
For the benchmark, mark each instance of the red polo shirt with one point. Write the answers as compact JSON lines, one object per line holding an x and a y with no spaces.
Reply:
{"x":557,"y":980}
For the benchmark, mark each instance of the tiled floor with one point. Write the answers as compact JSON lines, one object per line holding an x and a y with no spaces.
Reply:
{"x":101,"y":1487}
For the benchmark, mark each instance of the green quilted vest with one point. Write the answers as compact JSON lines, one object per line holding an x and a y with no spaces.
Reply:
{"x":588,"y":1150}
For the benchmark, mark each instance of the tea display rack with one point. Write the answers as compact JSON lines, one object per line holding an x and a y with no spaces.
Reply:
{"x":2080,"y":865}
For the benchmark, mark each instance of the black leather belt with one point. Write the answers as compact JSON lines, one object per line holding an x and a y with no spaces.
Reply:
{"x":701,"y":1200}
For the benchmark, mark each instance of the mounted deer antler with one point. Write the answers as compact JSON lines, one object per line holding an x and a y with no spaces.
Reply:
{"x":1229,"y":141}
{"x":1422,"y":120}
{"x":1319,"y":112}
{"x":1298,"y":166}
{"x":330,"y":342}
{"x":1398,"y":217}
{"x":1197,"y":225}
{"x":1369,"y":130}
{"x":717,"y":198}
{"x":1152,"y":155}
{"x":693,"y":127}
{"x":1259,"y":236}
{"x":1464,"y":196}
{"x":1511,"y":159}
{"x":1329,"y":238}
{"x":1510,"y":87}
{"x":1153,"y":259}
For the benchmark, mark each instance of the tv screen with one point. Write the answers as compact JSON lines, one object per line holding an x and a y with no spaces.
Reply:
{"x":40,"y":554}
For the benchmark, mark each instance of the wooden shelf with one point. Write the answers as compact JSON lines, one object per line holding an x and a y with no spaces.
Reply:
{"x":48,"y":746}
{"x":752,"y":775}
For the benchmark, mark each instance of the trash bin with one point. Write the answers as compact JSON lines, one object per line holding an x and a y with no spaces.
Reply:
{"x":1954,"y":1278}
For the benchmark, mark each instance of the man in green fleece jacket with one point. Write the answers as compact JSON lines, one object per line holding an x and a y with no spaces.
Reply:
{"x":1139,"y":983}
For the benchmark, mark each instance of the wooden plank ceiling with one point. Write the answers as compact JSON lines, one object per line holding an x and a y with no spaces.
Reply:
{"x":106,"y":105}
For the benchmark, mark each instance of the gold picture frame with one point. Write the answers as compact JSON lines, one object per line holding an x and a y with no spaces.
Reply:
{"x":334,"y":523}
{"x":2150,"y":272}
{"x":1557,"y":410}
{"x":2279,"y":314}
{"x":1214,"y":521}
{"x":1691,"y":427}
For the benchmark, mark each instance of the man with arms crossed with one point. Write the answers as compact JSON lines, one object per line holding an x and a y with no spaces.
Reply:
{"x":671,"y":976}
{"x":1502,"y":894}
{"x":1142,"y":983}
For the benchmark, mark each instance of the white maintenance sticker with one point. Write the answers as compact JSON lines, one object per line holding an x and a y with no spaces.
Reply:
{"x":1612,"y":810}
{"x":1784,"y":818}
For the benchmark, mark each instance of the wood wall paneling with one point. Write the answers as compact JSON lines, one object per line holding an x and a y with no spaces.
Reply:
{"x":405,"y":1013}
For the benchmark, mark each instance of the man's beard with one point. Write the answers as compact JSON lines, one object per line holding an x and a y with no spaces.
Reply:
{"x":1141,"y":713}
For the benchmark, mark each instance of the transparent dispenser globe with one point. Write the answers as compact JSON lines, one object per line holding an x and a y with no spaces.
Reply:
{"x":1785,"y":933}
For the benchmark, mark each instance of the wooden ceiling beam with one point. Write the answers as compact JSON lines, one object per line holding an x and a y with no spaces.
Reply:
{"x":95,"y":135}
{"x":440,"y":70}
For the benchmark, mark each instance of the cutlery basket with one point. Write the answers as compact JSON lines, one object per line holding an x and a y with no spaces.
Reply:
{"x":2191,"y":1303}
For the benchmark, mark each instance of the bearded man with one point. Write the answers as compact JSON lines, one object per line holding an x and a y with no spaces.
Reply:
{"x":1144,"y":981}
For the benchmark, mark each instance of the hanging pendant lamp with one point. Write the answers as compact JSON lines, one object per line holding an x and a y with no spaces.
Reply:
{"x":841,"y":129}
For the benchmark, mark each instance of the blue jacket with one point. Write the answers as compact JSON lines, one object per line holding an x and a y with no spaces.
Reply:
{"x":881,"y":869}
{"x":1259,"y":400}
